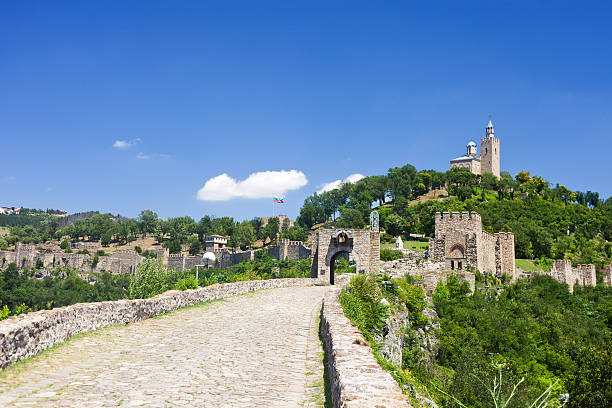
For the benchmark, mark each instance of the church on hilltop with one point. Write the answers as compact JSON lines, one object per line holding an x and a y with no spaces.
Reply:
{"x":488,"y":159}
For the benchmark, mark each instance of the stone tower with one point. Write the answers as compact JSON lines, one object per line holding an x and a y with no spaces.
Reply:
{"x":489,"y":152}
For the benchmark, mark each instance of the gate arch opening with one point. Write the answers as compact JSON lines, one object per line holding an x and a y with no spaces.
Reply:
{"x":332,"y":264}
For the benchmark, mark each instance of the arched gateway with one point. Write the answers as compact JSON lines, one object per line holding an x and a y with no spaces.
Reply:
{"x":361,"y":246}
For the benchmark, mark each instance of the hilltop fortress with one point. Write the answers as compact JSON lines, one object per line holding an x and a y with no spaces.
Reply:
{"x":488,"y":159}
{"x":460,"y":246}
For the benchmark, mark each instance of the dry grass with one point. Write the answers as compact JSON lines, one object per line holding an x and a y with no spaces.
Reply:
{"x":144,"y":243}
{"x":440,"y":195}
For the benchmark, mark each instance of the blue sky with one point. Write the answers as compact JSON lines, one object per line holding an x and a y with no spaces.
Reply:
{"x":329,"y":89}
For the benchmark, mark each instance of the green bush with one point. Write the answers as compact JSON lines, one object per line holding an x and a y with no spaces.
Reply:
{"x":65,"y":244}
{"x":189,"y":282}
{"x":361,"y":301}
{"x":84,"y":251}
{"x":150,"y":279}
{"x":390,"y":255}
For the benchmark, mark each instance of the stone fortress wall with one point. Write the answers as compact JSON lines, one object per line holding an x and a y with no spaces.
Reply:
{"x":361,"y":245}
{"x":26,"y":335}
{"x":127,"y":261}
{"x":582,"y":274}
{"x":356,"y":378}
{"x":460,"y":242}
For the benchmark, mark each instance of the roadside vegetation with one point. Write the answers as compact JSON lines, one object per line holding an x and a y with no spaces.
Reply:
{"x":534,"y":335}
{"x":19,"y":293}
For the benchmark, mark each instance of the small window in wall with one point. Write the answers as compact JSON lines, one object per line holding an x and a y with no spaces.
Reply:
{"x":452,"y":265}
{"x":459,"y":266}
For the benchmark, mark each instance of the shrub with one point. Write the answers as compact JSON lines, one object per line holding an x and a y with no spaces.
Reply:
{"x":4,"y":312}
{"x":189,"y":282}
{"x":84,"y":251}
{"x":100,"y":252}
{"x":361,"y":302}
{"x":65,"y":244}
{"x":150,"y":279}
{"x":390,"y":255}
{"x":138,"y":249}
{"x":174,"y":246}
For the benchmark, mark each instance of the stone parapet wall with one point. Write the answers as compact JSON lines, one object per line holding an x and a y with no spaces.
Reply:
{"x":582,"y":274}
{"x":357,"y":381}
{"x":26,"y":335}
{"x":607,"y":276}
{"x":464,"y":221}
{"x":428,"y":273}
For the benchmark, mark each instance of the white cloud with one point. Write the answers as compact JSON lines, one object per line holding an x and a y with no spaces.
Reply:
{"x":264,"y":184}
{"x":164,"y":156}
{"x":125,"y":144}
{"x":353,"y":178}
{"x":142,"y":156}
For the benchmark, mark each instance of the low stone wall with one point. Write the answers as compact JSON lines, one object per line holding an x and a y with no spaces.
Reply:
{"x":26,"y":335}
{"x":357,"y":380}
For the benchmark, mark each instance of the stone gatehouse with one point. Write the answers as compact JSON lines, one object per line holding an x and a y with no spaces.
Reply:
{"x":460,"y":242}
{"x":327,"y":245}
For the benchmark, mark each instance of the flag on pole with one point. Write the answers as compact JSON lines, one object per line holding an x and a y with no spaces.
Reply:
{"x":278,"y":199}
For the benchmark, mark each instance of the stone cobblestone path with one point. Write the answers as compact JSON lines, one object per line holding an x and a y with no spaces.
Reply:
{"x":256,"y":350}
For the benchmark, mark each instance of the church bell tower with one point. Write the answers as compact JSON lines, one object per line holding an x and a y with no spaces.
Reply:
{"x":489,"y":152}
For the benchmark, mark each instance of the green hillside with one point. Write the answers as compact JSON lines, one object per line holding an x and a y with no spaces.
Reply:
{"x":548,"y":222}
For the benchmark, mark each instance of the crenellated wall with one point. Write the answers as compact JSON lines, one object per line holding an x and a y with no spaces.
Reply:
{"x":582,"y":274}
{"x":460,"y":241}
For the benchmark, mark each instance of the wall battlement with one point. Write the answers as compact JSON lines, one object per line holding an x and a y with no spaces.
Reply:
{"x":446,"y":221}
{"x":583,"y":274}
{"x":461,"y":242}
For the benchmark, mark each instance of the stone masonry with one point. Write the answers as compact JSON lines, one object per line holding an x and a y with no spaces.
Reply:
{"x":582,"y":274}
{"x":357,"y":381}
{"x":127,"y":261}
{"x":26,"y":335}
{"x":362,"y":247}
{"x":459,"y":241}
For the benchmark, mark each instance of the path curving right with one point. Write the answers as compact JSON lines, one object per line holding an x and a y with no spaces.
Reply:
{"x":256,"y":350}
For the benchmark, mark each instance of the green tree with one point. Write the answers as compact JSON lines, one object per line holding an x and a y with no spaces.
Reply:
{"x":395,"y":225}
{"x":271,"y":229}
{"x":195,"y":247}
{"x":244,"y":235}
{"x":147,"y":220}
{"x":522,"y":177}
{"x":590,"y":385}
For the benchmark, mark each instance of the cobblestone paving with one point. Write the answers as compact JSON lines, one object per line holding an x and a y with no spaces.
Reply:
{"x":255,"y":350}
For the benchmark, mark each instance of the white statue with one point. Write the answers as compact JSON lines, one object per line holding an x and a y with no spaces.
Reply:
{"x":399,"y":244}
